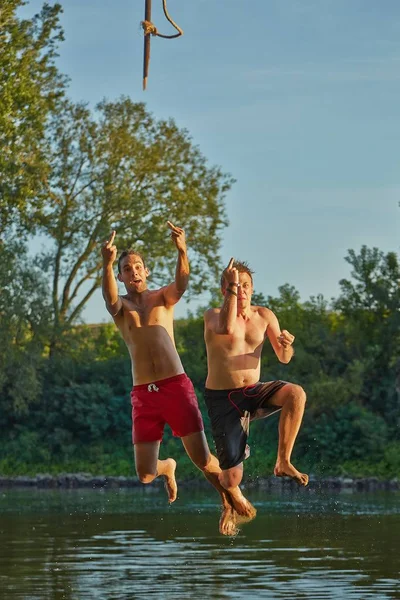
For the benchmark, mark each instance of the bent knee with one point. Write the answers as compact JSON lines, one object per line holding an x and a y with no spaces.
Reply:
{"x":230,"y":478}
{"x":298,"y":394}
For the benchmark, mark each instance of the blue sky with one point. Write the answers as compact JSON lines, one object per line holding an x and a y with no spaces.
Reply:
{"x":298,"y":99}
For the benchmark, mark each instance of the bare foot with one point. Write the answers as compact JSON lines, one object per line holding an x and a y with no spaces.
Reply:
{"x":170,"y":481}
{"x":242,"y":506}
{"x":227,"y":522}
{"x":286,"y":469}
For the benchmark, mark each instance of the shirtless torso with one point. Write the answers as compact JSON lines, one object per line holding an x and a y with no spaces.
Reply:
{"x":234,"y":358}
{"x":145,"y":317}
{"x":147,"y":329}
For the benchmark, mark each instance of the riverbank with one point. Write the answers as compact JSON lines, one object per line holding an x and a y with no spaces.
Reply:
{"x":86,"y":480}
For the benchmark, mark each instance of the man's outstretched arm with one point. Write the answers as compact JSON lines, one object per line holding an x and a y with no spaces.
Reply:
{"x":175,"y":290}
{"x":109,"y":284}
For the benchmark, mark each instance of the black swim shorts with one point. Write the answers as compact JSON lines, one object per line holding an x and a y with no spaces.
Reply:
{"x":230,"y":413}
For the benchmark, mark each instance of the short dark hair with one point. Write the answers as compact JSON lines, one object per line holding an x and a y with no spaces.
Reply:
{"x":242,"y":267}
{"x":128,"y":253}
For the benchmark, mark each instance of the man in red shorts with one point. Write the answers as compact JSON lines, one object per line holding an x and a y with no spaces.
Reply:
{"x":162,"y":393}
{"x":234,"y":336}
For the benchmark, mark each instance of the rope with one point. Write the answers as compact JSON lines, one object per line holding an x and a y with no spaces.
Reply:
{"x":150,"y":29}
{"x":179,"y":30}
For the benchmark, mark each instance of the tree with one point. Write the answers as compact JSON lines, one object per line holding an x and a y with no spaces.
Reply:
{"x":369,"y":306}
{"x":24,"y":324}
{"x":31,"y":88}
{"x":121,"y":169}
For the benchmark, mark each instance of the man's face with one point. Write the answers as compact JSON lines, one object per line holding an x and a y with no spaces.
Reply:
{"x":245,"y":290}
{"x":133,"y":273}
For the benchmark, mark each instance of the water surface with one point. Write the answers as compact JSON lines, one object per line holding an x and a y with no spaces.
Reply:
{"x":123,"y":544}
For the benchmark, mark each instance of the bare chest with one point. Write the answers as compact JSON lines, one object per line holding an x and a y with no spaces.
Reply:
{"x":145,"y":317}
{"x":247,"y":335}
{"x":151,"y":313}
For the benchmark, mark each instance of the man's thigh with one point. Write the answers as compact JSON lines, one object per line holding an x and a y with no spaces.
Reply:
{"x":265,"y":398}
{"x":146,"y":456}
{"x":280,"y":397}
{"x":229,"y":424}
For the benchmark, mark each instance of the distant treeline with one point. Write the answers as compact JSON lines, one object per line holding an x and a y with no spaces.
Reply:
{"x":69,"y":410}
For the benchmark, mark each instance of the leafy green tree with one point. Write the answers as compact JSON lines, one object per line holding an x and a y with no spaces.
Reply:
{"x":24,"y":324}
{"x":369,"y":306}
{"x":347,"y":432}
{"x":189,"y":336}
{"x":31,"y":88}
{"x":120,"y":168}
{"x":84,"y":401}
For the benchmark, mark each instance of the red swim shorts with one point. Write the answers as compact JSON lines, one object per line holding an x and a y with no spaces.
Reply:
{"x":172,"y":401}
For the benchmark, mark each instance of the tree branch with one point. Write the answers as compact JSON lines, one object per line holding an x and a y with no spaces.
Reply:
{"x":82,"y":303}
{"x":66,"y":301}
{"x":83,"y":188}
{"x":56,"y":276}
{"x":77,"y":177}
{"x":85,"y":278}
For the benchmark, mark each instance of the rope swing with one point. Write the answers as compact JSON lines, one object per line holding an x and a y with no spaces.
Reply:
{"x":150,"y":29}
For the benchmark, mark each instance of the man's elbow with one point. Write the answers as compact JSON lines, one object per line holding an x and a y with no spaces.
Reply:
{"x":182,"y":285}
{"x":180,"y":290}
{"x":113,"y":304}
{"x":109,"y":299}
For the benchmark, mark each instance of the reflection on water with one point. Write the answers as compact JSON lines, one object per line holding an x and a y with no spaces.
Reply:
{"x":123,"y":544}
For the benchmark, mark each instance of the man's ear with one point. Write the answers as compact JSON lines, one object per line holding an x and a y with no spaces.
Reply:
{"x":119,"y":277}
{"x":147,"y":272}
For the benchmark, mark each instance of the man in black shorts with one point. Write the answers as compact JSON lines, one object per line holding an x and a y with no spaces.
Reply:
{"x":234,"y":336}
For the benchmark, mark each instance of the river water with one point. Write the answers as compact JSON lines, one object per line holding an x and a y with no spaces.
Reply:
{"x":128,"y":544}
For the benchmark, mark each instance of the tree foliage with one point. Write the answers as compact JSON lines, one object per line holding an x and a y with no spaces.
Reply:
{"x":79,"y":401}
{"x":31,"y":88}
{"x":369,"y":308}
{"x":122,"y":169}
{"x":24,"y":323}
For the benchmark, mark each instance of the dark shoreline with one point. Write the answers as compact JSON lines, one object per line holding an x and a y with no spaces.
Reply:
{"x":86,"y":480}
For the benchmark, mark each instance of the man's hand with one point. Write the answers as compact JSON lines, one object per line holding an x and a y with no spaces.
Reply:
{"x":108,"y":250}
{"x":286,"y":339}
{"x":178,"y":236}
{"x":231,"y":275}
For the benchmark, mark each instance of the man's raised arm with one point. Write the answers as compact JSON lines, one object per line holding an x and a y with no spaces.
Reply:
{"x":228,"y":313}
{"x":109,"y":284}
{"x":175,"y":290}
{"x":223,"y":322}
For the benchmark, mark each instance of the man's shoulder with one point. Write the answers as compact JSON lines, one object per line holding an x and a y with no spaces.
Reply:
{"x":263,"y":311}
